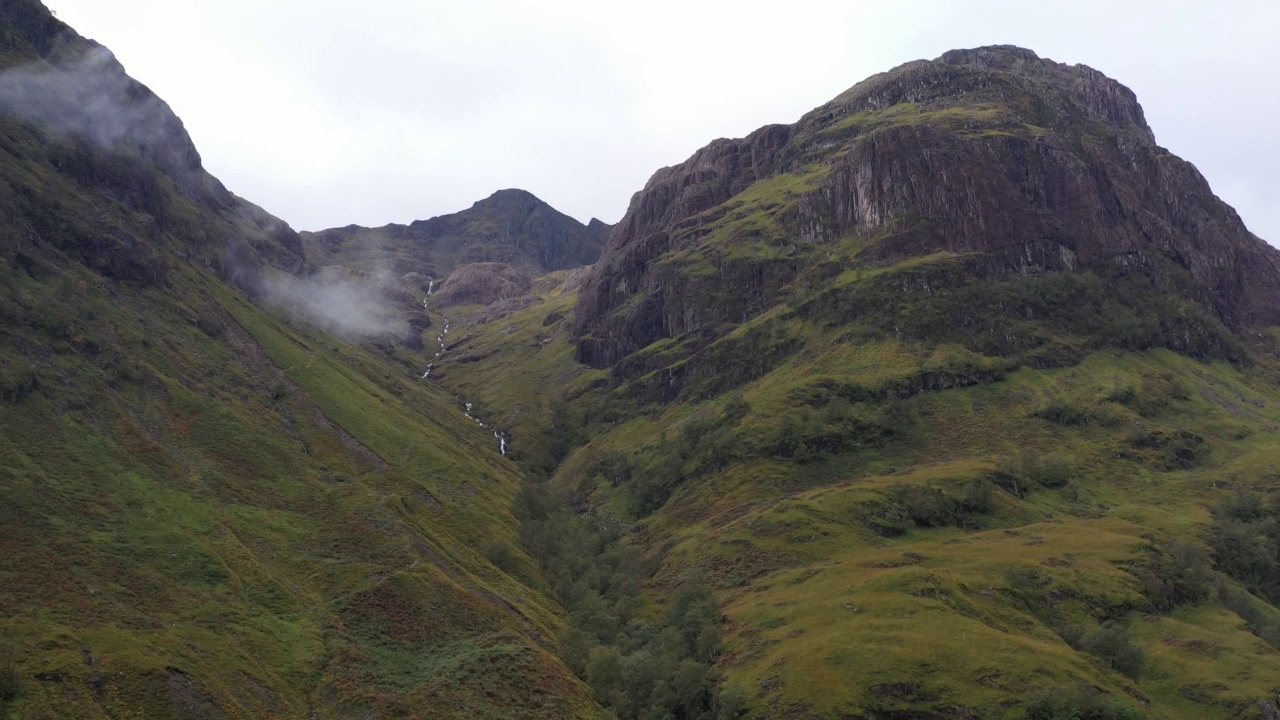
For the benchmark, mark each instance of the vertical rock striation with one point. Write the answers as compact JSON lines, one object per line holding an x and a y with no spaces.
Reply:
{"x":1021,"y":164}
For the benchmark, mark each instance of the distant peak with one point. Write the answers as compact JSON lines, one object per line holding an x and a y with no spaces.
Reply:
{"x":994,"y":57}
{"x":513,"y":195}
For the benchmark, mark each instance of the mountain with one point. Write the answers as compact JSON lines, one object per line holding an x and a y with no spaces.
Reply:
{"x":957,"y":398}
{"x":228,"y":492}
{"x":510,"y":226}
{"x":960,"y":394}
{"x":987,"y":165}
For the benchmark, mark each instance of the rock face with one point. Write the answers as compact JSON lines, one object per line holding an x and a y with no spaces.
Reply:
{"x":483,"y":284}
{"x":68,"y":107}
{"x":1021,"y":164}
{"x":510,"y":226}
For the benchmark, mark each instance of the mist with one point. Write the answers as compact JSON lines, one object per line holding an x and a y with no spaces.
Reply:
{"x":81,"y":90}
{"x":352,"y":307}
{"x":84,"y":91}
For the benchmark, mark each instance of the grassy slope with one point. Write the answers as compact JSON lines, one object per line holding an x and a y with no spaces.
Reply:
{"x":825,"y":613}
{"x":211,"y":512}
{"x":829,"y":617}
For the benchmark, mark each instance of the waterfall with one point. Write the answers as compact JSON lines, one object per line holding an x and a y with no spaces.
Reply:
{"x":467,"y":407}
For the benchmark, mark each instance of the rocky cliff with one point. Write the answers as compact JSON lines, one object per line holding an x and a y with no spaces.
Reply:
{"x":66,"y":103}
{"x":510,"y":226}
{"x":1015,"y":164}
{"x":483,"y":284}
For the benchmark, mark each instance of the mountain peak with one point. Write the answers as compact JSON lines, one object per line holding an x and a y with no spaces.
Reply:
{"x":511,"y":226}
{"x":994,"y":57}
{"x":1042,"y":91}
{"x":513,"y":194}
{"x":1019,"y":164}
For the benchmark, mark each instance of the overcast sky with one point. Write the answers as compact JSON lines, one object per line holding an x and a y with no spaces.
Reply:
{"x":330,"y":112}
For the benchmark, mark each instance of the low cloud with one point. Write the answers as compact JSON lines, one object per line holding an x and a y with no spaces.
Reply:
{"x":352,"y":307}
{"x":81,"y":90}
{"x":86,"y":92}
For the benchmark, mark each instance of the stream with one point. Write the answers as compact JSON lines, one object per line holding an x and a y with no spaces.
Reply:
{"x":497,"y":435}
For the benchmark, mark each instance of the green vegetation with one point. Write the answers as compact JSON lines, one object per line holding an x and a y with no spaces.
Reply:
{"x":862,"y":499}
{"x":853,"y":482}
{"x":1079,"y":702}
{"x":640,"y":662}
{"x":213,"y":512}
{"x":1245,"y":538}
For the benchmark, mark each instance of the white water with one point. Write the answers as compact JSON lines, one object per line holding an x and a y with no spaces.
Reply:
{"x":431,"y":287}
{"x":502,"y":439}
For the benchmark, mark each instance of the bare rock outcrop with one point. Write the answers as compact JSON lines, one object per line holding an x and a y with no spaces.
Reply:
{"x":483,"y":284}
{"x":1023,"y":164}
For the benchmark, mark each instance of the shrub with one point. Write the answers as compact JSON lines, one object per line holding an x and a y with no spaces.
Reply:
{"x":1185,"y":450}
{"x":1055,"y":471}
{"x":1027,"y":469}
{"x":926,"y":505}
{"x":501,"y":555}
{"x":979,"y":496}
{"x":10,"y":683}
{"x":736,"y":407}
{"x":1073,"y":491}
{"x":1111,"y":644}
{"x":1262,"y":620}
{"x":1245,"y":540}
{"x":1061,"y":412}
{"x":731,"y":704}
{"x":1177,"y":575}
{"x":1080,"y":702}
{"x":1125,"y":395}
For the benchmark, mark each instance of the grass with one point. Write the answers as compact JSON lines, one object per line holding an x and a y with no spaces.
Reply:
{"x":828,"y":614}
{"x":198,"y":493}
{"x":211,"y":510}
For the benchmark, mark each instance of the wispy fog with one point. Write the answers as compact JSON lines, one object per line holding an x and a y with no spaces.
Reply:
{"x":350,"y":306}
{"x":86,"y":93}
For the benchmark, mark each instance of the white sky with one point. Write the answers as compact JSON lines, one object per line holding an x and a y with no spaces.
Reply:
{"x":330,"y":112}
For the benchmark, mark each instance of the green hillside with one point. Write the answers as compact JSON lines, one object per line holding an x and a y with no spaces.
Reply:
{"x":215,"y":512}
{"x":883,"y":548}
{"x":996,"y":482}
{"x":959,"y":398}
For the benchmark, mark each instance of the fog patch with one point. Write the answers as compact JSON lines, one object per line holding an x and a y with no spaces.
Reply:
{"x":352,"y":307}
{"x":85,"y":92}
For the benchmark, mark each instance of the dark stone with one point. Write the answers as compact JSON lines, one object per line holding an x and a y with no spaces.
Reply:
{"x":1022,"y":165}
{"x":511,"y":227}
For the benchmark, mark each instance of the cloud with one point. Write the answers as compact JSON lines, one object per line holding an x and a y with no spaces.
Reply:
{"x":352,"y":307}
{"x":80,"y":90}
{"x":85,"y":93}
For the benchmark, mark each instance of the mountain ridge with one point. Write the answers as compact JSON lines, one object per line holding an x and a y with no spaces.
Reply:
{"x":510,"y":226}
{"x":955,"y":399}
{"x":990,"y":116}
{"x":217,"y":503}
{"x":808,"y":441}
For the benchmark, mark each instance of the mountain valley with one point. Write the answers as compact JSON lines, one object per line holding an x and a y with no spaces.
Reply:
{"x":957,"y":398}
